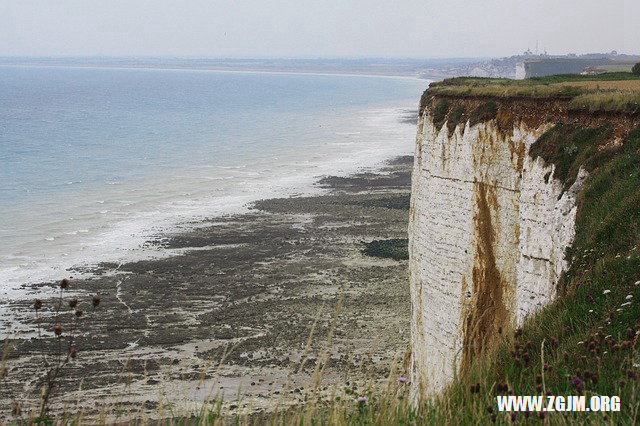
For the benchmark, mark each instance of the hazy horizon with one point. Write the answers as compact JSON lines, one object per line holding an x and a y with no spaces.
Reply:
{"x":265,"y":58}
{"x":281,"y":29}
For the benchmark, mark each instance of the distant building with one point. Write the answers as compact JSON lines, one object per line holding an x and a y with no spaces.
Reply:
{"x":570,"y":64}
{"x":521,"y":72}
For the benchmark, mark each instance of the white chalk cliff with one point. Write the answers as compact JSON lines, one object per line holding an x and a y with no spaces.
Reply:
{"x":489,"y":226}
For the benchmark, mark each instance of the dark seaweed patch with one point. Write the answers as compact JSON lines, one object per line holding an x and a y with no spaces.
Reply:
{"x":396,"y":249}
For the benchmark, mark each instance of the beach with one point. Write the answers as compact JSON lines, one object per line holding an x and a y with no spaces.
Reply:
{"x":232,"y":313}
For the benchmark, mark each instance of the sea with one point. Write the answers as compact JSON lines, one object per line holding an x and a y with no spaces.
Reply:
{"x":97,"y":162}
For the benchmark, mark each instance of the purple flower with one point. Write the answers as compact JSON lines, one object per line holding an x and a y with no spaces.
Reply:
{"x":576,"y":381}
{"x":402,"y":379}
{"x":362,"y":400}
{"x":567,"y":329}
{"x":578,"y":284}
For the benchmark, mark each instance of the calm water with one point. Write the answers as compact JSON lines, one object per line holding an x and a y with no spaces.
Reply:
{"x":93,"y":162}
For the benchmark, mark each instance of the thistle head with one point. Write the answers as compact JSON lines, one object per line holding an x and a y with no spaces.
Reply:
{"x":576,"y":381}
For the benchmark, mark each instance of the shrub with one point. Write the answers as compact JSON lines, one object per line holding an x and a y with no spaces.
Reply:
{"x":568,"y":147}
{"x":636,"y":69}
{"x":455,"y":118}
{"x":440,"y":113}
{"x":485,"y":112}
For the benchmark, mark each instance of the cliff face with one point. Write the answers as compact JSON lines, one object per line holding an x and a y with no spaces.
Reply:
{"x":488,"y":231}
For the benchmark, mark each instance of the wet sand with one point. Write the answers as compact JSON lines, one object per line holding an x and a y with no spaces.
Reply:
{"x":251,"y":285}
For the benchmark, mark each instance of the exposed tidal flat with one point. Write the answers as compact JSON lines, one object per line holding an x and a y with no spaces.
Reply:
{"x":94,"y":162}
{"x":233,"y":313}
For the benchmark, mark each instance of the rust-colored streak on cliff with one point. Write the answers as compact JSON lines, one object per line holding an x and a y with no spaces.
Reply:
{"x":488,"y":312}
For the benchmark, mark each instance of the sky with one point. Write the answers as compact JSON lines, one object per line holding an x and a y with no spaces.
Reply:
{"x":316,"y":29}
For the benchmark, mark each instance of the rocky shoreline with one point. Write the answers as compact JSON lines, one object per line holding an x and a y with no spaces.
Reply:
{"x":250,"y":286}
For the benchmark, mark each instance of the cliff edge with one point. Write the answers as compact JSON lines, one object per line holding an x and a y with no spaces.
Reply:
{"x":493,"y":210}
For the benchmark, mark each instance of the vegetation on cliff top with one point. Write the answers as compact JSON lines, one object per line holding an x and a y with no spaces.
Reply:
{"x":609,"y":92}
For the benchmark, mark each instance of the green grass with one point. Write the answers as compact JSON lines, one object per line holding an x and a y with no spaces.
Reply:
{"x":485,"y":112}
{"x":607,"y":101}
{"x":534,"y":81}
{"x":581,"y":98}
{"x":514,"y":90}
{"x":570,"y":147}
{"x":455,"y":117}
{"x":440,"y":112}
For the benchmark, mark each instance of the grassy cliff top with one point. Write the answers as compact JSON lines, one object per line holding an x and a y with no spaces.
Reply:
{"x":609,"y":92}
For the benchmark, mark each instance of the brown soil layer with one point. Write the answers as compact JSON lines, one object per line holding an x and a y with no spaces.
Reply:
{"x":536,"y":112}
{"x":250,"y":284}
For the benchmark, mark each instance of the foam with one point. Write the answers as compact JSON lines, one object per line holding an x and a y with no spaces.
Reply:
{"x":120,"y":234}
